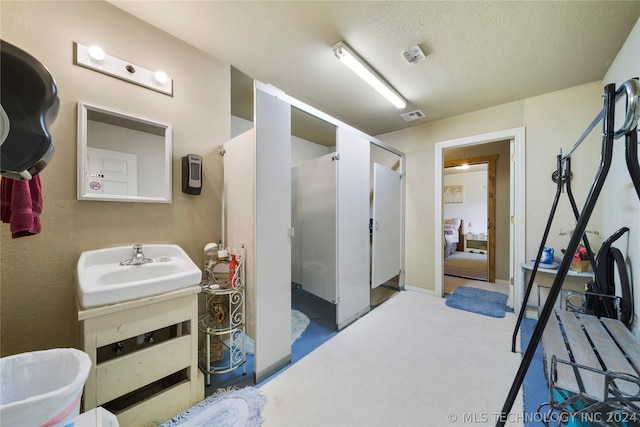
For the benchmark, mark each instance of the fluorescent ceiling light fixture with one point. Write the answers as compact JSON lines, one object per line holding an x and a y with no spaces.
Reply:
{"x":349,"y":58}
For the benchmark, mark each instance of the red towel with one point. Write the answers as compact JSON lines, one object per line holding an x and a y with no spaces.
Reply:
{"x":21,"y":205}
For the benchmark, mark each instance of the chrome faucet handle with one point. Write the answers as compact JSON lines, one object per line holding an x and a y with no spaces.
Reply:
{"x":137,"y":258}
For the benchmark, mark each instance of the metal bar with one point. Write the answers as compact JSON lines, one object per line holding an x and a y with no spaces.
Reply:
{"x":591,"y":126}
{"x":587,"y":210}
{"x":629,"y":88}
{"x":631,"y":153}
{"x":536,"y":264}
{"x":576,"y":213}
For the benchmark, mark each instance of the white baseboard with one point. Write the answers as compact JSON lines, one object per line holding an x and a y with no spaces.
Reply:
{"x":422,"y":290}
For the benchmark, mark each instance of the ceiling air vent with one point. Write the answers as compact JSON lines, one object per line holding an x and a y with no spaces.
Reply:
{"x":413,"y":115}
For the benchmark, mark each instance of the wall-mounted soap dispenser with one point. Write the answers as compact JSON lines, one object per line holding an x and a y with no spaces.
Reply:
{"x":192,"y":174}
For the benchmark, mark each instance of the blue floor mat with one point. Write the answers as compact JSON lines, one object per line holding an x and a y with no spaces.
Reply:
{"x":478,"y":301}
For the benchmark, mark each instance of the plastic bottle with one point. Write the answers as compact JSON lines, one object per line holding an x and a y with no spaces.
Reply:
{"x":233,"y":266}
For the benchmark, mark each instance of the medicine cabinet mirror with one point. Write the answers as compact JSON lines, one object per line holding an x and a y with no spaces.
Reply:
{"x":121,"y":157}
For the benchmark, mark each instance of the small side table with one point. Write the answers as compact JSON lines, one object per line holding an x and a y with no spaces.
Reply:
{"x":475,"y":242}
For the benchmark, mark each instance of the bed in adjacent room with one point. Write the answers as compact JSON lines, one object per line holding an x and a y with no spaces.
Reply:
{"x":457,"y":262}
{"x":453,"y":236}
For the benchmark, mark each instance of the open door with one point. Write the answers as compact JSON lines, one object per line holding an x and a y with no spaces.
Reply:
{"x":387,"y":226}
{"x":318,"y":207}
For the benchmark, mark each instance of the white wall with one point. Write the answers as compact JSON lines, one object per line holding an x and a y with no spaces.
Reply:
{"x":619,"y":199}
{"x":473,"y":209}
{"x":552,"y":121}
{"x":301,"y":149}
{"x":239,"y":126}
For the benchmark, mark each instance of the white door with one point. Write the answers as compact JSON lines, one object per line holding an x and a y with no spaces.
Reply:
{"x":318,"y":208}
{"x":272,"y":234}
{"x":387,"y":211}
{"x":353,"y":226}
{"x":111,"y":172}
{"x":238,"y":215}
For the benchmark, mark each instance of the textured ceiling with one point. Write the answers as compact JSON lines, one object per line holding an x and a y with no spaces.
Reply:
{"x":479,"y":54}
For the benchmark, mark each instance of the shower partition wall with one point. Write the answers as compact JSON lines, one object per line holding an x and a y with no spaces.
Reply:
{"x":318,"y":215}
{"x":258,"y":189}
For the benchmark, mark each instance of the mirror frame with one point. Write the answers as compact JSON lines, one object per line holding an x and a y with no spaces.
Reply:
{"x":83,"y":112}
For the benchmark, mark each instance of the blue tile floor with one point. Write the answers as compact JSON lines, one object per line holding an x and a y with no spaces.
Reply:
{"x":322,"y":326}
{"x":535,"y":385}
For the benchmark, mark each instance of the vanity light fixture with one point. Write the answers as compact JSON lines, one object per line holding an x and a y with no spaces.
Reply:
{"x":96,"y":53}
{"x":160,"y":77}
{"x":463,"y":166}
{"x":94,"y":58}
{"x":349,"y":58}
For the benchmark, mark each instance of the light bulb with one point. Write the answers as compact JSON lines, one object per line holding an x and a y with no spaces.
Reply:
{"x":161,"y":77}
{"x":96,"y":53}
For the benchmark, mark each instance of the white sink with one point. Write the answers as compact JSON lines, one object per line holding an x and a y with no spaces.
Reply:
{"x":102,"y":280}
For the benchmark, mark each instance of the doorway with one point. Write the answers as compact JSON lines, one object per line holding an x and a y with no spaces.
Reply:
{"x":475,"y":254}
{"x":515,"y":220}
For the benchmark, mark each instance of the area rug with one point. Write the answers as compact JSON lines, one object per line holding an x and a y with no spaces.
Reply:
{"x":231,"y":407}
{"x":299,"y":323}
{"x":479,"y":301}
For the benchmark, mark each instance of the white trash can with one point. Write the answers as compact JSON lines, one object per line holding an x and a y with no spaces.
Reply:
{"x":42,"y":388}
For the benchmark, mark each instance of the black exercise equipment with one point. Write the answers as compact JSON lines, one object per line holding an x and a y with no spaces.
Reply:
{"x":630,"y":88}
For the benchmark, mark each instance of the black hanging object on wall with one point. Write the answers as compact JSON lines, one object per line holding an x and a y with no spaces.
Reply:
{"x":192,"y":174}
{"x":29,"y":104}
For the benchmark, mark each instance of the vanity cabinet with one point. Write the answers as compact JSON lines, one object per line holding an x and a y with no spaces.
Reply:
{"x":144,"y":356}
{"x":223,"y":326}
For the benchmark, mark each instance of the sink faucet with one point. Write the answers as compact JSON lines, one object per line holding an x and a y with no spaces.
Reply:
{"x":137,"y":258}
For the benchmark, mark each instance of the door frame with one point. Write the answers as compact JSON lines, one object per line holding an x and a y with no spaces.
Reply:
{"x":491,"y":205}
{"x":517,"y":202}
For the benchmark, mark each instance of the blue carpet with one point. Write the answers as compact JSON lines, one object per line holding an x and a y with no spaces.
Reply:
{"x":534,"y":386}
{"x":322,"y":325}
{"x":479,"y":301}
